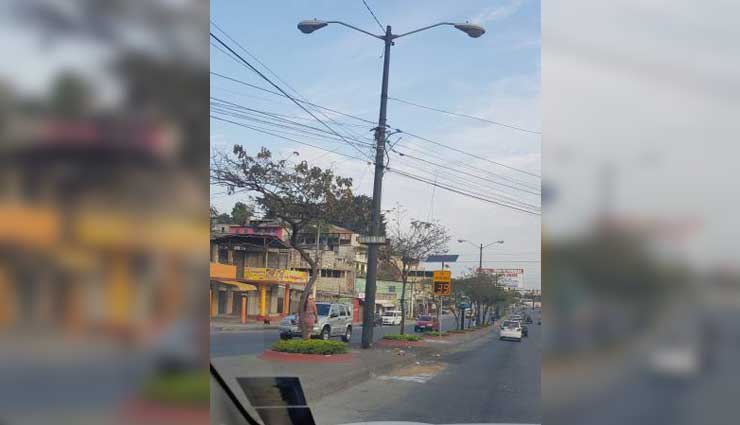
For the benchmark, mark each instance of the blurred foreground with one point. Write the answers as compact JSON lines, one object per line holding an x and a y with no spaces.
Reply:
{"x":640,"y":271}
{"x":103,"y":219}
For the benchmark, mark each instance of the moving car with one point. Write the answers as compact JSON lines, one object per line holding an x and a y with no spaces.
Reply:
{"x":511,"y":329}
{"x":333,"y":320}
{"x":426,"y":323}
{"x":392,"y":317}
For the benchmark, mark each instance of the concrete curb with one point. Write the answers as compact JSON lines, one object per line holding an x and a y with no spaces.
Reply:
{"x":236,"y":328}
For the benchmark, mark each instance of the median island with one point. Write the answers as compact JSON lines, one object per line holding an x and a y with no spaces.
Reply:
{"x":310,"y":346}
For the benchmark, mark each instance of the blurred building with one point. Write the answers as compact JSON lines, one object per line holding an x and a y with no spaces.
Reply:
{"x":88,"y":236}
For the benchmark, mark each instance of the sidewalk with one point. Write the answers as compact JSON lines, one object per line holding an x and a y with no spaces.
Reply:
{"x":321,"y":379}
{"x":220,"y":326}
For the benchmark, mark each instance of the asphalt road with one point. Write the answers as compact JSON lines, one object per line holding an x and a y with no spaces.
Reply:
{"x":495,"y":382}
{"x":641,"y":396}
{"x":225,"y":344}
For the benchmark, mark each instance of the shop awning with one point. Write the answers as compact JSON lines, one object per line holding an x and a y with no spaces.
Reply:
{"x":241,"y":285}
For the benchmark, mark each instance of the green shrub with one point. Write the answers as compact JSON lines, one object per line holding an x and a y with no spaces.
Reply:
{"x":436,"y":333}
{"x":311,"y":346}
{"x":179,"y":388}
{"x":405,"y":337}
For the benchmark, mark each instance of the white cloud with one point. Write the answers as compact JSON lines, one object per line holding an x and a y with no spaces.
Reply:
{"x":499,"y":12}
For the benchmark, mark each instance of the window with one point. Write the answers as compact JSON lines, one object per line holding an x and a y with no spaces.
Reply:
{"x":342,"y":311}
{"x":392,"y":289}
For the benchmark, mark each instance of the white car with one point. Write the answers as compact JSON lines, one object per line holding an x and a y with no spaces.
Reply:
{"x":511,"y":329}
{"x":392,"y":317}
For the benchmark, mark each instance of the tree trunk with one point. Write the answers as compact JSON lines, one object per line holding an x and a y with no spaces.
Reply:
{"x":403,"y":301}
{"x":305,"y":325}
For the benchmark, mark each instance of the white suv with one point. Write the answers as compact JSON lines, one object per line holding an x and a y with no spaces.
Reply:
{"x":511,"y":329}
{"x":333,"y":320}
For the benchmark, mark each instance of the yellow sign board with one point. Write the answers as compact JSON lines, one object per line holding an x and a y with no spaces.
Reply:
{"x":275,"y":275}
{"x":442,"y":276}
{"x":442,"y":283}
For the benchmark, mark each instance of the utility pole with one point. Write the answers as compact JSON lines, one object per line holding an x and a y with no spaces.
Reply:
{"x":480,"y":260}
{"x":309,"y":26}
{"x":372,"y":252}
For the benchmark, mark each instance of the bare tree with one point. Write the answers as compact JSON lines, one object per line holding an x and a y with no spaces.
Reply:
{"x":411,"y":243}
{"x":296,"y":194}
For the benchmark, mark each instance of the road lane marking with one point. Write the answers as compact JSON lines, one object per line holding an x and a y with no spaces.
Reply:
{"x":419,"y":373}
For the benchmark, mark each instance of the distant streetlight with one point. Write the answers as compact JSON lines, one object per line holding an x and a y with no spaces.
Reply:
{"x":480,"y":247}
{"x":308,"y":27}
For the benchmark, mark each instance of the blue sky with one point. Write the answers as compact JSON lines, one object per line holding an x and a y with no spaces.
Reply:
{"x":496,"y":76}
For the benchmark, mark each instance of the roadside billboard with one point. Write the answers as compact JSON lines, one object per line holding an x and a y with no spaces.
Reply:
{"x":509,"y":278}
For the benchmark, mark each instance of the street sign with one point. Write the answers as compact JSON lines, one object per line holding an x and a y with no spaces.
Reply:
{"x":441,"y":259}
{"x":442,"y":283}
{"x":372,"y":240}
{"x":442,"y":276}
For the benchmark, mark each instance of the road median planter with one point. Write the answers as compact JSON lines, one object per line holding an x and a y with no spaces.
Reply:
{"x":401,"y":341}
{"x":310,"y":351}
{"x":435,"y":334}
{"x":174,"y":398}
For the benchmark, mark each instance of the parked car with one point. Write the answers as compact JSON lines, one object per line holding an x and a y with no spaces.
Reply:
{"x":392,"y":317}
{"x":511,"y":329}
{"x":333,"y":320}
{"x":426,"y":323}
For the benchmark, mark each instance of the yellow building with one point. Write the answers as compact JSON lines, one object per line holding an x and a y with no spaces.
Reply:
{"x":249,"y":278}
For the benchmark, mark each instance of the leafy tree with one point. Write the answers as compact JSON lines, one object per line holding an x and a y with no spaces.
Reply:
{"x":411,"y":243}
{"x":297,"y":194}
{"x":70,"y":96}
{"x":241,"y":213}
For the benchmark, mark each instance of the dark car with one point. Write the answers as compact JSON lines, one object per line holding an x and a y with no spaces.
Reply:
{"x":426,"y":323}
{"x":528,"y":319}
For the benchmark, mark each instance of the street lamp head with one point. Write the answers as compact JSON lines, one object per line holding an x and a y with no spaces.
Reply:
{"x":461,"y":240}
{"x":472,"y":30}
{"x":309,"y":26}
{"x":499,"y":241}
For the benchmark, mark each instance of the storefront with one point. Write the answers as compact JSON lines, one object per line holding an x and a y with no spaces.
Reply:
{"x":259,"y":294}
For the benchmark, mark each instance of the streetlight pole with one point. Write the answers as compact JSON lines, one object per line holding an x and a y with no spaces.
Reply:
{"x":480,"y":268}
{"x":310,"y":26}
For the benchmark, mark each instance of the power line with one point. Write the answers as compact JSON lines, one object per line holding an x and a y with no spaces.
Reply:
{"x":396,"y":129}
{"x":403,"y":173}
{"x":277,"y":76}
{"x":299,"y":104}
{"x":465,"y":173}
{"x":470,"y":188}
{"x":280,"y":120}
{"x":280,"y":94}
{"x":467,"y":165}
{"x":260,"y":130}
{"x":460,"y":192}
{"x":374,"y":17}
{"x":468,"y":153}
{"x":513,"y":127}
